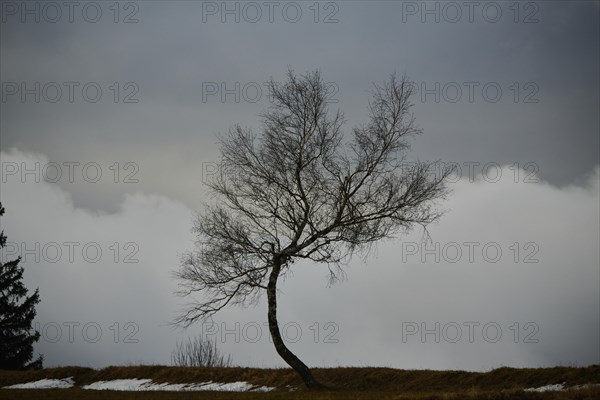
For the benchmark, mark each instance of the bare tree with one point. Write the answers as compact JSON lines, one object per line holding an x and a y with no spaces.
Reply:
{"x":299,"y":191}
{"x":199,"y":352}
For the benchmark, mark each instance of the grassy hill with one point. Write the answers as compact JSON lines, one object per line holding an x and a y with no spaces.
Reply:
{"x":344,"y":383}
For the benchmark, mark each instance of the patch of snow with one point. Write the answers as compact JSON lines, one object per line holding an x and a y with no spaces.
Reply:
{"x":137,"y":385}
{"x":118,"y":384}
{"x":548,"y":388}
{"x":45,"y":384}
{"x":560,"y":387}
{"x":235,"y":387}
{"x":167,"y":387}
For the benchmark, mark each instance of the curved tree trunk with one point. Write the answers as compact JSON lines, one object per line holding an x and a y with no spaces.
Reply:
{"x":280,"y":346}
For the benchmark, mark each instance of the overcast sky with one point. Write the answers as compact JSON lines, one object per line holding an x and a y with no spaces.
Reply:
{"x":119,"y":121}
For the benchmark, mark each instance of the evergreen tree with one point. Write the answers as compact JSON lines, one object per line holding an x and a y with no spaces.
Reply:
{"x":17,"y":312}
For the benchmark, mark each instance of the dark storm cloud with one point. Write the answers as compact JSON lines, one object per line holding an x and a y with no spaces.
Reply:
{"x":177,"y":48}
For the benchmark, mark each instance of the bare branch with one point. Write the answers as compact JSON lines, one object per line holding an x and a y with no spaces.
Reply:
{"x":298,"y":191}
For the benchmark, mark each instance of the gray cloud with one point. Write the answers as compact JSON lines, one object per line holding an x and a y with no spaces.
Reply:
{"x":171,"y":52}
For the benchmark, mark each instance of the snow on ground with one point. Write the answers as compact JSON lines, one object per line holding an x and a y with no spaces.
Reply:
{"x":137,"y":385}
{"x":560,"y":387}
{"x":548,"y":388}
{"x":45,"y":384}
{"x":118,"y":384}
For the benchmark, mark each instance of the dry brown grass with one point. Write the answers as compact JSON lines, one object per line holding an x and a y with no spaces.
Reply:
{"x":344,"y":383}
{"x":65,"y":394}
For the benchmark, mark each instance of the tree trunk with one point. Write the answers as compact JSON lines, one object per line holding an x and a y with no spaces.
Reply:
{"x":280,"y":346}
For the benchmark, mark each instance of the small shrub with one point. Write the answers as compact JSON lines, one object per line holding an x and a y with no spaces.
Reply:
{"x":199,"y":352}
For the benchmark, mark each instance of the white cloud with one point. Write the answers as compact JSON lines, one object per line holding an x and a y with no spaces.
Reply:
{"x":558,"y":295}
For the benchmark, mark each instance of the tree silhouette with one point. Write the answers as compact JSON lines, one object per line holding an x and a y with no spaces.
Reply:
{"x":17,"y":311}
{"x":298,"y":190}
